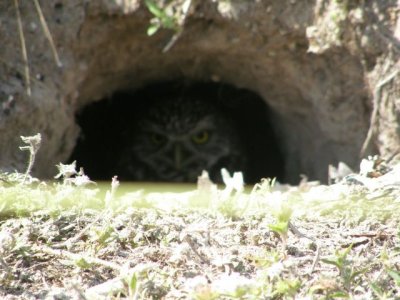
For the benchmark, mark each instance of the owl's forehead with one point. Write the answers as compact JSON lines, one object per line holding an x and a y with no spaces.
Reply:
{"x":179,"y":115}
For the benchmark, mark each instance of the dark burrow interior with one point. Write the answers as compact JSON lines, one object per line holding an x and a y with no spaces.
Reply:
{"x":104,"y":125}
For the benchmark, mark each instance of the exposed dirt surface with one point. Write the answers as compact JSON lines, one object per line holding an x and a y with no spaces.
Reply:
{"x":68,"y":241}
{"x":328,"y":70}
{"x":181,"y":255}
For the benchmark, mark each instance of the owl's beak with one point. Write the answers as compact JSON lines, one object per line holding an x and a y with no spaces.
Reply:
{"x":178,"y":156}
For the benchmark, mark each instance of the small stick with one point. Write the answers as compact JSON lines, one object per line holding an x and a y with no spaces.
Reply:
{"x":189,"y":240}
{"x":23,"y":48}
{"x":300,"y":234}
{"x":47,"y":33}
{"x":76,"y":257}
{"x":178,"y":34}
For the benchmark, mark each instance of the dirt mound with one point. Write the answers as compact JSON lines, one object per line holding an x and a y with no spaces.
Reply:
{"x":326,"y":69}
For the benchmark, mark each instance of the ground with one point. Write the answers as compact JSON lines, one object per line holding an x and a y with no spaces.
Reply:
{"x":274,"y":242}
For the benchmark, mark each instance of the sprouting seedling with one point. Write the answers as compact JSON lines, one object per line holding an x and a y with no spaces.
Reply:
{"x":281,"y":226}
{"x":347,"y":271}
{"x":287,"y":287}
{"x":164,"y":17}
{"x":34,"y":143}
{"x":134,"y":279}
{"x":133,"y":285}
{"x":395,"y":276}
{"x":380,"y":292}
{"x":161,"y":18}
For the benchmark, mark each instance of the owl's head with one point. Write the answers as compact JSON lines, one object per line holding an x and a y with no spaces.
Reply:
{"x":175,"y":139}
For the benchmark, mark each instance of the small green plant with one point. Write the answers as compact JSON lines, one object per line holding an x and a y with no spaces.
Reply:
{"x":267,"y":260}
{"x":133,"y":285}
{"x":287,"y":288}
{"x":347,"y":272}
{"x":170,"y":14}
{"x":161,"y":18}
{"x":101,"y":236}
{"x":83,"y":264}
{"x":394,"y":275}
{"x":380,"y":293}
{"x":282,"y":215}
{"x":273,"y":283}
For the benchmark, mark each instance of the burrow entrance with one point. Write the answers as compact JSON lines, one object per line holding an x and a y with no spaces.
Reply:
{"x":318,"y":75}
{"x":108,"y":129}
{"x":312,"y":108}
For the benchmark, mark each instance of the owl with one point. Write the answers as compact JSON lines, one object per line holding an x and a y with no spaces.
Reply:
{"x":175,"y":138}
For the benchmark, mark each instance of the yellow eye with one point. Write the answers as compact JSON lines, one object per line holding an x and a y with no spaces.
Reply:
{"x":201,"y":137}
{"x":157,"y":139}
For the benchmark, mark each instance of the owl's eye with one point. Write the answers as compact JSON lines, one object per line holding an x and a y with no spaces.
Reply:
{"x":201,"y":137}
{"x":157,"y":139}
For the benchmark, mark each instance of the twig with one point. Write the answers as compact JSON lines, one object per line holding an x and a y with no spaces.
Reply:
{"x":189,"y":240}
{"x":178,"y":34}
{"x":379,"y":235}
{"x":375,"y":111}
{"x":298,"y":233}
{"x":302,"y":235}
{"x":76,"y":257}
{"x":47,"y":33}
{"x":23,"y":48}
{"x":172,"y":41}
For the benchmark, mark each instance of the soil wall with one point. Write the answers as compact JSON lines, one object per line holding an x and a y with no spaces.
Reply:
{"x":327,"y":69}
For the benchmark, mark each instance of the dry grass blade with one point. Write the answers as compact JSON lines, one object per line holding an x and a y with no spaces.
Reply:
{"x":23,"y":47}
{"x":77,"y":257}
{"x":47,"y":33}
{"x":297,"y":232}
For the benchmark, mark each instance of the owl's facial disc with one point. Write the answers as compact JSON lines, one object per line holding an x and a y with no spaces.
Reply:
{"x":179,"y":147}
{"x":177,"y":157}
